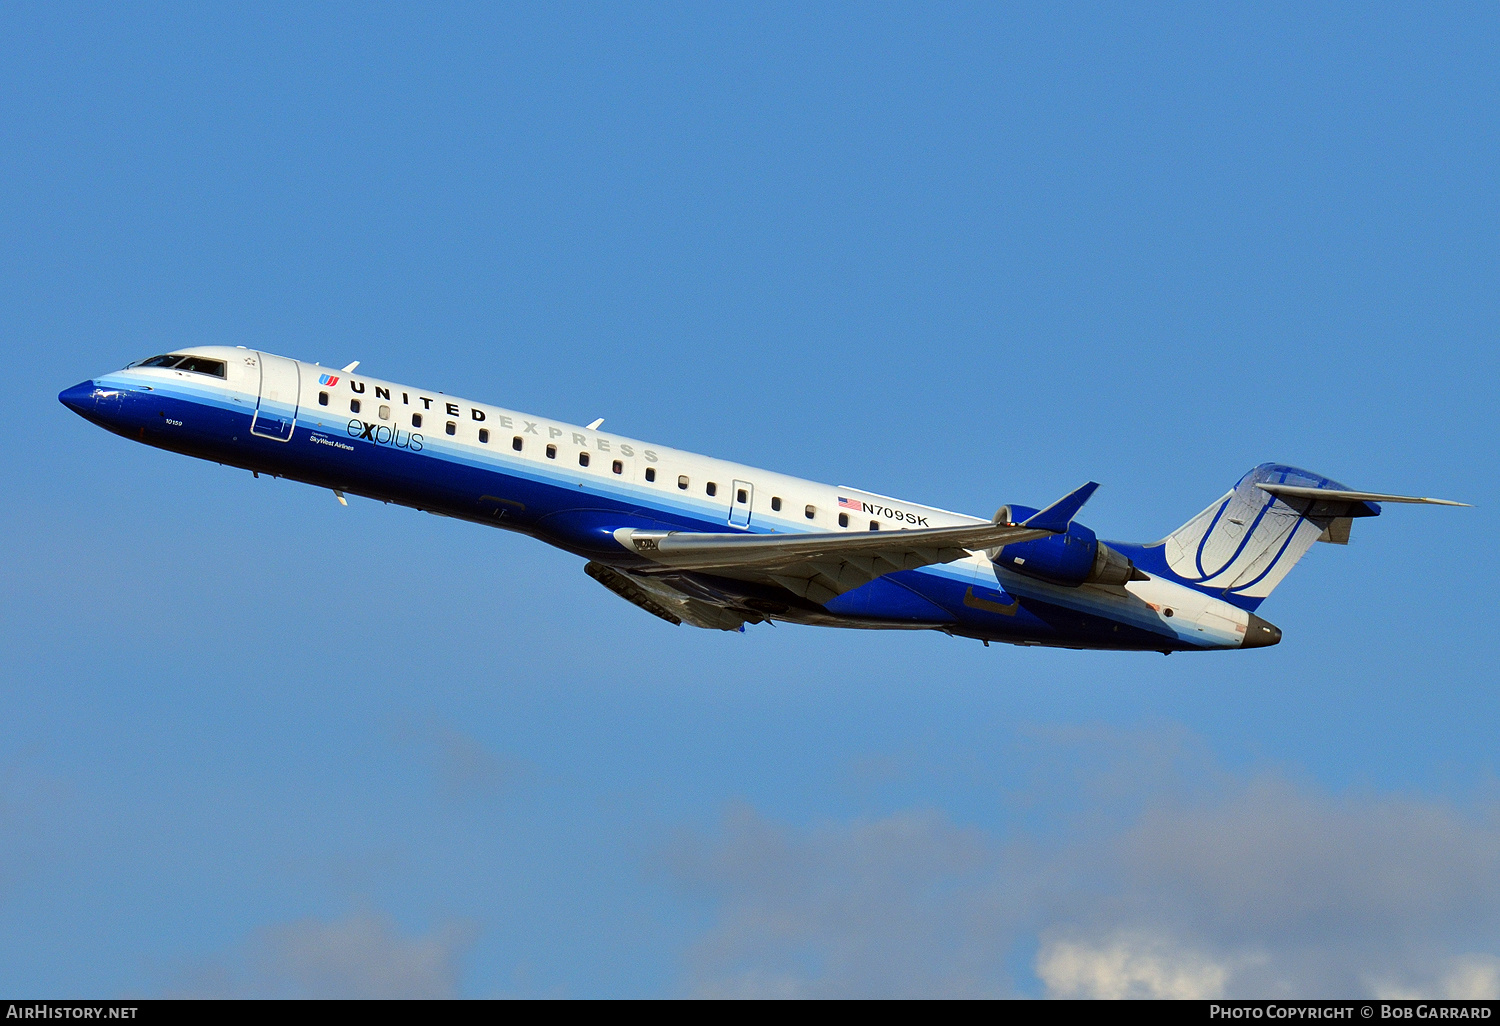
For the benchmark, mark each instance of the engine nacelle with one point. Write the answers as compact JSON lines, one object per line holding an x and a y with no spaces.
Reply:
{"x":1071,"y":559}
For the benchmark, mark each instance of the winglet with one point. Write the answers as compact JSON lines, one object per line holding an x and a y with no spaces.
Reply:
{"x":1060,"y":514}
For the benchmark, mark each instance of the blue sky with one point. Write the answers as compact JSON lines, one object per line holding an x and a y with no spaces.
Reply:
{"x":257,"y":743}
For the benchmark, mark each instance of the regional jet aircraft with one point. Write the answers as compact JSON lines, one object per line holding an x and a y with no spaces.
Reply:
{"x":714,"y":544}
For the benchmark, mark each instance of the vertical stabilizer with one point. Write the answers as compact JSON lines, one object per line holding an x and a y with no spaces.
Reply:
{"x":1245,"y":543}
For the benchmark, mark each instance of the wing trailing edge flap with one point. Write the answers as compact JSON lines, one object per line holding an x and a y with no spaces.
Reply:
{"x":661,"y":599}
{"x":819,"y":567}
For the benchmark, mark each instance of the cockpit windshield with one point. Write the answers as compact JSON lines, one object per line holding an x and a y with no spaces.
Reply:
{"x":200,"y":365}
{"x":196,"y":364}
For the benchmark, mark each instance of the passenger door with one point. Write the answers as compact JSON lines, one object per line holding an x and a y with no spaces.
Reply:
{"x":740,"y":496}
{"x":280,"y":391}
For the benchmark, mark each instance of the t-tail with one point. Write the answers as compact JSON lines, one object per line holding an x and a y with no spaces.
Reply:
{"x":1240,"y":548}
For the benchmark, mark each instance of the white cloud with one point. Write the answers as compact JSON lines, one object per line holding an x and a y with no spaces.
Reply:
{"x":1177,"y":880}
{"x":464,"y":767}
{"x":879,"y":907}
{"x":1475,"y":977}
{"x":360,"y":956}
{"x":1129,"y":965}
{"x":1466,"y":978}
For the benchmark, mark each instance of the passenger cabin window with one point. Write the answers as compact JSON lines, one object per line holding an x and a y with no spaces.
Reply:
{"x":811,"y":512}
{"x":385,"y":412}
{"x":353,"y":405}
{"x":583,"y":459}
{"x":198,"y":365}
{"x":416,"y":420}
{"x":843,"y":520}
{"x":322,"y":398}
{"x":452,"y":428}
{"x":682,"y":481}
{"x":712,"y":489}
{"x":516,"y":443}
{"x":484,"y":436}
{"x":617,"y":467}
{"x":650,"y":473}
{"x":874,"y":525}
{"x":776,"y":503}
{"x":552,"y":452}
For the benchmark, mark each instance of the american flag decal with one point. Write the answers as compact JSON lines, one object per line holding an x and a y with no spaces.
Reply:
{"x":854,"y":504}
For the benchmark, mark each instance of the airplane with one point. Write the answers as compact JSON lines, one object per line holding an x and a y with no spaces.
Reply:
{"x":718,"y":545}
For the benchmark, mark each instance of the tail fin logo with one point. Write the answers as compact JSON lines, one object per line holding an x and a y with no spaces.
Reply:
{"x":328,"y":379}
{"x":1243,"y":545}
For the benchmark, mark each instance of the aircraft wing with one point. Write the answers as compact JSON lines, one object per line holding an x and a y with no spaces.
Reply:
{"x":822,"y":566}
{"x":819,"y":567}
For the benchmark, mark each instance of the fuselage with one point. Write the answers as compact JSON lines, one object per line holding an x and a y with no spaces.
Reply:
{"x":575,"y":487}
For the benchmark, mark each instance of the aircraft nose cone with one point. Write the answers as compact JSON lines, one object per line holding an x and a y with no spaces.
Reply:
{"x":1260,"y":634}
{"x":80,"y":398}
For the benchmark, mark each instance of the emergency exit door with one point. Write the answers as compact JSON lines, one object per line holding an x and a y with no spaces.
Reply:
{"x":740,"y":496}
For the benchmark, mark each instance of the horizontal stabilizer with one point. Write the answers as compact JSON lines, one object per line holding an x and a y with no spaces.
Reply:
{"x":1056,"y":517}
{"x":1336,"y":495}
{"x":1241,"y":547}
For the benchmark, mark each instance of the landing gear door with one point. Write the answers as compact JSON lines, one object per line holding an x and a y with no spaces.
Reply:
{"x":742,"y":493}
{"x":280,"y":391}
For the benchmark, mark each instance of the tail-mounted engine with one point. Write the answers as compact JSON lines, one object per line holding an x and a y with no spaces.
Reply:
{"x":1069,"y":559}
